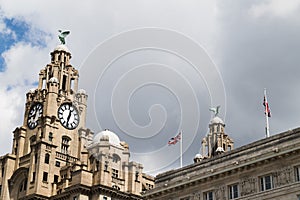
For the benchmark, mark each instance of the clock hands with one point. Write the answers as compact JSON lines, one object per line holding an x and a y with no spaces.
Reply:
{"x":37,"y":115}
{"x":69,"y":116}
{"x":34,"y":114}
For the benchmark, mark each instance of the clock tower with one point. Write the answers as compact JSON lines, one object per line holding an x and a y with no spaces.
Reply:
{"x":53,"y":133}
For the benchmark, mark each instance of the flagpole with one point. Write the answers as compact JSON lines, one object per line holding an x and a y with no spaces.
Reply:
{"x":181,"y":149}
{"x":266,"y":115}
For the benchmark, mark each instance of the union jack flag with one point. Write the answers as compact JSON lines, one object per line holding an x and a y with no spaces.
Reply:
{"x":175,"y":139}
{"x":267,"y":108}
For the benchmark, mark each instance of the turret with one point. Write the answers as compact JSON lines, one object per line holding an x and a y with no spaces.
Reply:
{"x":216,"y":141}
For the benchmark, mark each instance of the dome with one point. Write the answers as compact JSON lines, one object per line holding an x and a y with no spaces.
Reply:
{"x":220,"y":149}
{"x":198,"y":156}
{"x":32,"y":90}
{"x":107,"y":135}
{"x":53,"y":80}
{"x":216,"y":120}
{"x":81,"y":91}
{"x":62,"y":47}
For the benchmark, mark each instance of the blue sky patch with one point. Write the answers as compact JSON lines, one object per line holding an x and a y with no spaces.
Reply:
{"x":22,"y":32}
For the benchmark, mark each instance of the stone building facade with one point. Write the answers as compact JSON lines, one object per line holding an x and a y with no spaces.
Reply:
{"x":54,"y":155}
{"x":266,"y":169}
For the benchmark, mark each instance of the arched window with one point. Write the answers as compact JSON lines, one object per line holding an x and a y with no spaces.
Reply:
{"x":106,"y":166}
{"x":116,"y":158}
{"x":50,"y":137}
{"x":65,"y":143}
{"x":47,"y":158}
{"x":116,"y":187}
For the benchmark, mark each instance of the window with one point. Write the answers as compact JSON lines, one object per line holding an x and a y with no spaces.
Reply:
{"x":65,"y":144}
{"x":97,"y":165}
{"x":25,"y":184}
{"x":72,"y":84}
{"x":35,"y":158}
{"x":136,"y":176}
{"x":208,"y":195}
{"x":33,"y":177}
{"x":297,"y":172}
{"x":266,"y":183}
{"x":57,"y":164}
{"x":105,"y":198}
{"x":45,"y":176}
{"x":44,"y":83}
{"x":50,"y":137}
{"x":75,"y":198}
{"x":55,"y":179}
{"x":116,"y":187}
{"x":64,"y":82}
{"x":149,"y":186}
{"x":233,"y":191}
{"x":116,"y":158}
{"x":2,"y":172}
{"x":106,"y":166}
{"x":47,"y":157}
{"x":21,"y":187}
{"x":0,"y":189}
{"x":115,"y":173}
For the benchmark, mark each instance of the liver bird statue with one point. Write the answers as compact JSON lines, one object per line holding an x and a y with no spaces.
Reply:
{"x":62,"y":35}
{"x":215,"y":110}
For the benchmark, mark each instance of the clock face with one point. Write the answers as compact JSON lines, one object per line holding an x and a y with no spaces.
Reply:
{"x":35,"y":113}
{"x":68,"y":116}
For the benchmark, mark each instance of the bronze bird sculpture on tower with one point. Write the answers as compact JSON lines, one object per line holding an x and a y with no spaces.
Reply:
{"x":62,"y":35}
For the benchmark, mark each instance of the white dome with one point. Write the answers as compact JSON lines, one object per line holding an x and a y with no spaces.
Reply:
{"x":32,"y":90}
{"x":62,"y":47}
{"x":198,"y":155}
{"x":53,"y":80}
{"x":81,"y":91}
{"x":220,"y":149}
{"x":216,"y":120}
{"x":112,"y":137}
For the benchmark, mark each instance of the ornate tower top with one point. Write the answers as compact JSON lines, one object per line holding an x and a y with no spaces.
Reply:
{"x":216,"y":141}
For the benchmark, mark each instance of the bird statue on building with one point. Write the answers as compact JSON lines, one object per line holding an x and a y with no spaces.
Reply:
{"x":215,"y":110}
{"x":62,"y":35}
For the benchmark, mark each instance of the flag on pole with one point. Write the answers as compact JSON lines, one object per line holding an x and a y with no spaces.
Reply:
{"x":267,"y":108}
{"x":175,"y":139}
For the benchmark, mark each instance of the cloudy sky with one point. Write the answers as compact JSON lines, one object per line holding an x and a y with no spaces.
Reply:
{"x":152,"y":68}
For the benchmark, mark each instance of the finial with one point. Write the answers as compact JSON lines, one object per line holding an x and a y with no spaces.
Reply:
{"x":215,"y":110}
{"x":62,"y":35}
